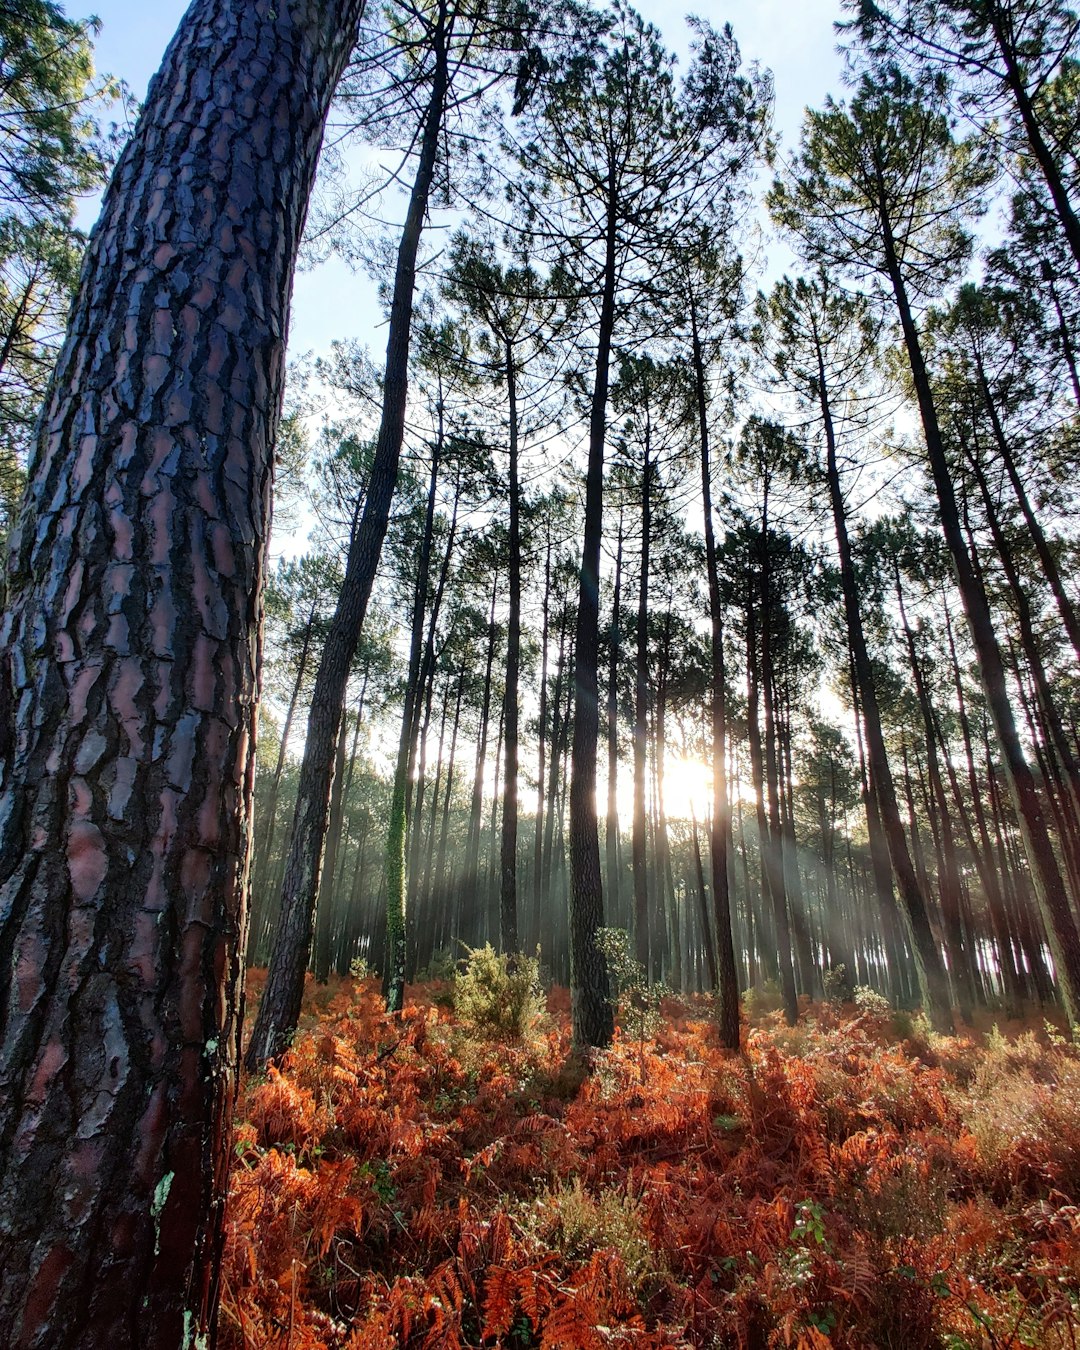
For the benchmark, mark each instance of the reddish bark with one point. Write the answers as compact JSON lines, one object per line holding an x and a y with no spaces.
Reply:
{"x":129,"y":687}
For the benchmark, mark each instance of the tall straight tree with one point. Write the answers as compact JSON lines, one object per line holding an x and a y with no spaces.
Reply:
{"x":617,"y":163}
{"x":515,"y":316}
{"x":882,"y":191}
{"x":710,"y":288}
{"x":1001,"y":57}
{"x":822,"y":342}
{"x":436,"y":62}
{"x":129,"y":687}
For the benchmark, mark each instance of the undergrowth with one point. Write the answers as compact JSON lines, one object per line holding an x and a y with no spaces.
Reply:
{"x":410,"y":1183}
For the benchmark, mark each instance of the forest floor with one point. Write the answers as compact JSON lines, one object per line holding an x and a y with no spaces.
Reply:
{"x":853,"y":1182}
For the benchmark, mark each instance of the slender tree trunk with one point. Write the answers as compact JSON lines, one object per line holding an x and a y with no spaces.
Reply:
{"x":1049,"y":885}
{"x":590,"y":1008}
{"x":284,"y":991}
{"x":933,"y":984}
{"x":470,"y":876}
{"x":398,"y":825}
{"x":557,"y":737}
{"x":260,"y":887}
{"x":1044,"y":156}
{"x":981,"y":850}
{"x":1047,"y":560}
{"x":541,"y":735}
{"x":641,"y":727}
{"x":611,"y":832}
{"x":727,"y":980}
{"x":508,"y":905}
{"x":948,"y":872}
{"x":128,"y":693}
{"x":324,"y":917}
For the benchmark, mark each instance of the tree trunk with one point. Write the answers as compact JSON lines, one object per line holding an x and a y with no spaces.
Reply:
{"x":128,"y":692}
{"x":279,"y":1009}
{"x":590,"y":1008}
{"x":324,"y":918}
{"x":262,"y":853}
{"x":541,"y":735}
{"x":727,"y":980}
{"x":1042,"y":547}
{"x":1049,"y":886}
{"x":948,"y":872}
{"x":508,"y":906}
{"x":933,"y":985}
{"x":641,"y":729}
{"x":611,"y":832}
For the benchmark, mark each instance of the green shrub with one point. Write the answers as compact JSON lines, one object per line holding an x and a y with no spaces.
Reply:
{"x":442,"y":966}
{"x":837,"y":984}
{"x":764,"y":997}
{"x":498,"y":995}
{"x":868,"y":1000}
{"x":575,"y":1223}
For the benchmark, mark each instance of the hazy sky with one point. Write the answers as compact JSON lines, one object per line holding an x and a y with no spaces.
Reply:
{"x":796,"y":41}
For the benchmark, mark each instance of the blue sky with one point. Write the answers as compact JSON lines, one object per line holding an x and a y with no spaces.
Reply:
{"x":796,"y":41}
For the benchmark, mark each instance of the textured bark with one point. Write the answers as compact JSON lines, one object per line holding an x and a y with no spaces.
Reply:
{"x":279,"y":1009}
{"x":129,"y":688}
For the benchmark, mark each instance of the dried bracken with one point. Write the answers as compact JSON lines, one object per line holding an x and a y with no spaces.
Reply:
{"x":401,"y":1183}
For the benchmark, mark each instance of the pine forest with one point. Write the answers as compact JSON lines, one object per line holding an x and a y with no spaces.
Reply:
{"x":552,"y":819}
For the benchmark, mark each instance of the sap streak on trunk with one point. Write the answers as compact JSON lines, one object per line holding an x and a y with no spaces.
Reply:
{"x":129,"y":687}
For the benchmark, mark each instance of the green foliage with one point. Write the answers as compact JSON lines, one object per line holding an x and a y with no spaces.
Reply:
{"x":575,"y":1223}
{"x":498,"y":995}
{"x":764,"y":997}
{"x":868,"y":1000}
{"x":51,"y":152}
{"x":637,"y":1002}
{"x":837,"y":984}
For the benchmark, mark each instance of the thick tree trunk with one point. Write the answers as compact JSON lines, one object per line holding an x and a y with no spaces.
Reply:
{"x":128,"y":690}
{"x":284,"y":991}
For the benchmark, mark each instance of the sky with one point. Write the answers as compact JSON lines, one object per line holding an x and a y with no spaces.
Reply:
{"x":796,"y":41}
